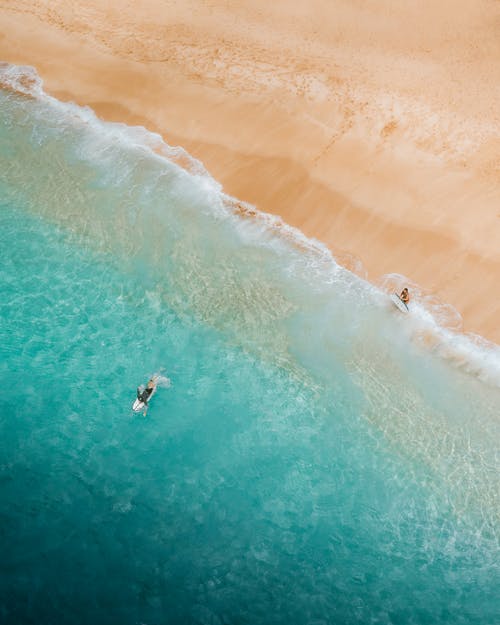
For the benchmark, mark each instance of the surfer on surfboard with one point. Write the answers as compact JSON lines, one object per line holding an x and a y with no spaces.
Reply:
{"x":401,"y":300}
{"x":144,"y":395}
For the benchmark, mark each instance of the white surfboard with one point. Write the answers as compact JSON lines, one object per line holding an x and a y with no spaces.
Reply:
{"x":397,"y":301}
{"x":138,"y":405}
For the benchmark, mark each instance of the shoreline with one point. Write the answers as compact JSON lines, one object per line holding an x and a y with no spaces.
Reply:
{"x":371,"y":187}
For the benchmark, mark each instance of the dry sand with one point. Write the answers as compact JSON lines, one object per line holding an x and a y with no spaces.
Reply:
{"x":373,"y":126}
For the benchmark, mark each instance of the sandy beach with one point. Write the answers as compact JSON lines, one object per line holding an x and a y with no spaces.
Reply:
{"x":373,"y":127}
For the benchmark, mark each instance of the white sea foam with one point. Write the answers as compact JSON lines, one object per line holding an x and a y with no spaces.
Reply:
{"x":281,"y":297}
{"x":162,"y":380}
{"x":433,"y":324}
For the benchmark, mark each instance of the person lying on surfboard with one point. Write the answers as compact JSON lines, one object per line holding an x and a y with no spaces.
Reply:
{"x":144,"y":394}
{"x":405,"y":296}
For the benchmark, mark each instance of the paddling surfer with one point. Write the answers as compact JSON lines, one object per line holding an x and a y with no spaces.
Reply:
{"x":145,"y":394}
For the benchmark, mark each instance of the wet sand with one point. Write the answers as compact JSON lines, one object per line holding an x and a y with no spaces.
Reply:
{"x":373,"y":127}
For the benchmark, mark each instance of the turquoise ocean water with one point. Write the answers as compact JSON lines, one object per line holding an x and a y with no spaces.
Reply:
{"x":311,"y":456}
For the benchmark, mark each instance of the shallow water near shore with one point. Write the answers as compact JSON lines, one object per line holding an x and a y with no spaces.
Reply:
{"x":312,"y":460}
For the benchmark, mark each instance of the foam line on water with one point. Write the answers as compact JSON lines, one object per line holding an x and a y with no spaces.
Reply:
{"x":431,"y":324}
{"x":390,"y":465}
